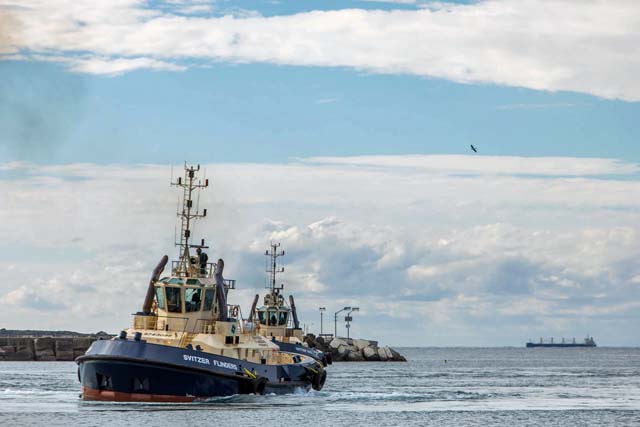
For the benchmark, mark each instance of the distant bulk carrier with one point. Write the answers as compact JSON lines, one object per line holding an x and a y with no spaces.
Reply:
{"x":588,"y":342}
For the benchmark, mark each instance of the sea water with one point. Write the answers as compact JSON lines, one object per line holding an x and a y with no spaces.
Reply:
{"x":437,"y":387}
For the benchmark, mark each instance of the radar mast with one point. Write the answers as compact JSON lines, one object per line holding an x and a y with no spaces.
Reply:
{"x":191,"y":186}
{"x":273,"y":267}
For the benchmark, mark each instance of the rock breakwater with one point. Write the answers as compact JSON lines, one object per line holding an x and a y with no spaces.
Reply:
{"x":45,"y":348}
{"x":354,"y":350}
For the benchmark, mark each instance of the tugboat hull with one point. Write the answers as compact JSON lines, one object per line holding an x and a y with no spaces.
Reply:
{"x":131,"y":381}
{"x":136,"y":371}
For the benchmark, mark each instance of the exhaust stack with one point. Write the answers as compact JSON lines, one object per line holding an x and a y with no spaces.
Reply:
{"x":148,"y":299}
{"x":220,"y":291}
{"x":253,"y":308}
{"x":294,"y":313}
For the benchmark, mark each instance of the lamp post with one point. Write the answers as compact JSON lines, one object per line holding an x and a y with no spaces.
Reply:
{"x":335,"y":320}
{"x":348,"y":319}
{"x":322,"y":310}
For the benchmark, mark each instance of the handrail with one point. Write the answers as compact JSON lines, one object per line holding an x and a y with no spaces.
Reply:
{"x":195,"y":271}
{"x":207,"y":326}
{"x":150,"y":321}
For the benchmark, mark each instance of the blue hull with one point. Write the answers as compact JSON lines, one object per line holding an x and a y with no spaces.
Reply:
{"x":126,"y":370}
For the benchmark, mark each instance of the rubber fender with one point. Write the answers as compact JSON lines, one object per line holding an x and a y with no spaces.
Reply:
{"x":259,"y":384}
{"x":319,"y":380}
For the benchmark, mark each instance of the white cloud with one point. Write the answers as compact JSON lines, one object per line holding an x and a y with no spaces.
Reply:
{"x":448,"y":257}
{"x":561,"y":166}
{"x":589,"y":47}
{"x":109,"y":66}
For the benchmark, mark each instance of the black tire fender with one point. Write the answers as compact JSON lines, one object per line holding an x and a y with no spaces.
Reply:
{"x":259,"y":385}
{"x":319,"y":379}
{"x":329,"y":358}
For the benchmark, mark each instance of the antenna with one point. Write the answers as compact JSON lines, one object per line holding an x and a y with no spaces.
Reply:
{"x":187,"y":215}
{"x":273,"y":268}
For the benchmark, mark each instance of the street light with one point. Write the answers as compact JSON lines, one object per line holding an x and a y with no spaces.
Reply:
{"x":348,"y":319}
{"x":322,"y":310}
{"x":335,"y":320}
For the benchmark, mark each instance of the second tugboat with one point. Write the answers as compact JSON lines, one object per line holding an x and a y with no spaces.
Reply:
{"x":187,"y":344}
{"x":278,"y":321}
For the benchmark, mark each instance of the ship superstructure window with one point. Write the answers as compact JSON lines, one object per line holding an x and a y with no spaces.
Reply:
{"x":174,"y":299}
{"x":208,"y":299}
{"x":273,"y":317}
{"x":262,"y":317}
{"x":192,"y":299}
{"x":283,"y":318}
{"x":160,"y":297}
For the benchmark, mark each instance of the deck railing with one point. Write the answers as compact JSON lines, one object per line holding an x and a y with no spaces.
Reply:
{"x":159,"y":323}
{"x":194,"y":270}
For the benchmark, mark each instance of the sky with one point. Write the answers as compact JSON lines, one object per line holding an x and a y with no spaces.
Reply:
{"x":343,"y":131}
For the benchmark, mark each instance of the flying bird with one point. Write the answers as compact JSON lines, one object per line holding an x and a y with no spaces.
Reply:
{"x":473,"y":148}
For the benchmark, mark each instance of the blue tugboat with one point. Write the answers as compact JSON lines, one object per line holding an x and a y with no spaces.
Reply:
{"x":278,"y":321}
{"x":187,"y":343}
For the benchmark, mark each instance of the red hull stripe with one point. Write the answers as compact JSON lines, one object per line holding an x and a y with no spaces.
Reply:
{"x":118,"y":396}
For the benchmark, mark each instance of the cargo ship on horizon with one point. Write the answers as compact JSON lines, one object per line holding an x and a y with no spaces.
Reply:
{"x":588,"y":342}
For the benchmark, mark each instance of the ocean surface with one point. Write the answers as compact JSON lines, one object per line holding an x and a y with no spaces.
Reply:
{"x":474,"y":387}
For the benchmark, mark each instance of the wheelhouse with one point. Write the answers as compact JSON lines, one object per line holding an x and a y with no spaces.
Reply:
{"x":182,"y":296}
{"x":273,"y":316}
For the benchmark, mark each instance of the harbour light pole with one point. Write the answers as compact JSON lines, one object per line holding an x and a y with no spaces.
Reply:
{"x":335,"y":320}
{"x":348,"y":319}
{"x":322,"y":310}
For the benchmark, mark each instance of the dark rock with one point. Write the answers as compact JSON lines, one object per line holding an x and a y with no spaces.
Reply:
{"x":64,"y":344}
{"x":397,"y":357}
{"x":370,"y":354}
{"x":311,"y":341}
{"x":355,"y":356}
{"x":64,"y":348}
{"x":44,"y":344}
{"x":7,"y":349}
{"x":81,"y":344}
{"x":44,"y":348}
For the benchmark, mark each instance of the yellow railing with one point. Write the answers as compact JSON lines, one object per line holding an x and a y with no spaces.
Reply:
{"x":205,"y":326}
{"x":163,"y":323}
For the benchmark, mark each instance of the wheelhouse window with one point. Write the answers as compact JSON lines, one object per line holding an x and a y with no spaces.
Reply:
{"x":160,"y":297}
{"x":273,"y":317}
{"x":192,"y":298}
{"x":174,"y":299}
{"x":283,"y":318}
{"x":262,"y":317}
{"x":208,"y":299}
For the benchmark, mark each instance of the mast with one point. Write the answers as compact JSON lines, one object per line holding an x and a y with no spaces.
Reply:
{"x":190,"y":184}
{"x":273,"y":268}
